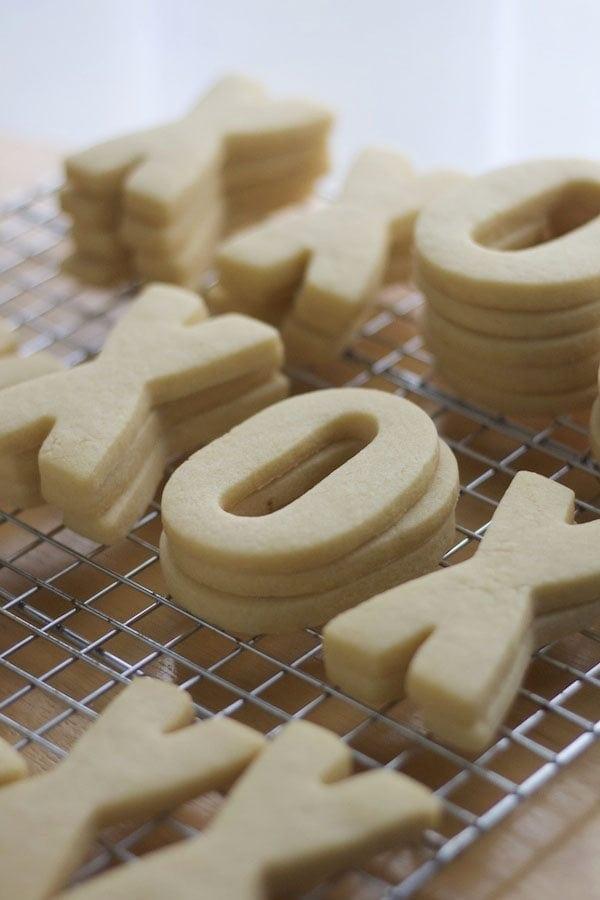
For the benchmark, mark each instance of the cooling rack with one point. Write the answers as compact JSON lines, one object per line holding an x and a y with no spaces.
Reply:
{"x":78,"y":620}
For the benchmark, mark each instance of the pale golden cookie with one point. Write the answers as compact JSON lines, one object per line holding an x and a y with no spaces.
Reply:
{"x":307,"y":509}
{"x":539,"y":380}
{"x":458,"y":641}
{"x":374,"y":488}
{"x":251,"y":615}
{"x":14,"y":368}
{"x":508,"y":268}
{"x":293,"y":820}
{"x":187,"y":264}
{"x":425,"y":518}
{"x":167,"y":194}
{"x":527,"y":352}
{"x":513,"y":239}
{"x":510,"y":323}
{"x":94,"y":440}
{"x":162,"y":167}
{"x":500,"y":400}
{"x":88,"y":211}
{"x":328,"y":263}
{"x":136,"y":760}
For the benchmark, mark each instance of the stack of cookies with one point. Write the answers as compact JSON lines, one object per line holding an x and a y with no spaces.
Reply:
{"x":296,"y":514}
{"x":153,"y":204}
{"x":317,"y":271}
{"x":508,"y":264}
{"x":94,"y":440}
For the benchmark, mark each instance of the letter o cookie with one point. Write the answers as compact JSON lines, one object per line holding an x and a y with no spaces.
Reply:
{"x":301,"y":511}
{"x":508,"y":265}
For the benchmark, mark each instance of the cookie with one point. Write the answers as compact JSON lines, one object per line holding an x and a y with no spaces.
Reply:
{"x":521,"y":379}
{"x":520,"y":238}
{"x":324,"y":266}
{"x":514,"y":324}
{"x":498,"y":399}
{"x":308,"y":508}
{"x":14,"y":368}
{"x":141,"y":757}
{"x":89,"y":212}
{"x":506,"y":266}
{"x":529,"y":353}
{"x":151,"y":195}
{"x":458,"y":641}
{"x":94,"y":440}
{"x":300,"y":780}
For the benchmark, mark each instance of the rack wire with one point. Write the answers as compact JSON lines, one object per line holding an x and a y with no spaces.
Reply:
{"x":79,"y":620}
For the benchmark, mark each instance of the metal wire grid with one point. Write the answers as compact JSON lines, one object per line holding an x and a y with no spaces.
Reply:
{"x":79,"y":619}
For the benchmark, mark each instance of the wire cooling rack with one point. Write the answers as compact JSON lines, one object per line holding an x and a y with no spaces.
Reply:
{"x":78,"y":620}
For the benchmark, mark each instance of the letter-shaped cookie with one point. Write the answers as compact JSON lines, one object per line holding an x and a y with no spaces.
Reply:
{"x":512,"y":284}
{"x":13,"y":368}
{"x":160,"y":168}
{"x":519,"y":238}
{"x":326,"y":265}
{"x":156,"y":202}
{"x":459,"y":640}
{"x":306,"y":509}
{"x":291,"y":821}
{"x":138,"y":759}
{"x":93,"y":440}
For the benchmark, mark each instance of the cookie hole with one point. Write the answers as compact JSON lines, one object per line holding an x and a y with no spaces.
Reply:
{"x":285,"y":488}
{"x":541,"y":219}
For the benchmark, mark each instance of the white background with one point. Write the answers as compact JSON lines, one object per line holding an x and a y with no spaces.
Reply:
{"x":468,"y":83}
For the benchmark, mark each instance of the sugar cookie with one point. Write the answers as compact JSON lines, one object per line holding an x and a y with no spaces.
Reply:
{"x":303,"y":511}
{"x":516,"y":403}
{"x":94,"y":440}
{"x":458,"y":641}
{"x":298,"y":818}
{"x":137,"y":759}
{"x":325,"y":265}
{"x":527,"y":380}
{"x":519,"y":238}
{"x":508,"y":270}
{"x":14,"y":368}
{"x":514,"y":324}
{"x":151,"y":195}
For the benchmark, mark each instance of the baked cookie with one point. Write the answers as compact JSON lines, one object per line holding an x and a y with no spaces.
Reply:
{"x":94,"y":440}
{"x":317,"y":271}
{"x":153,"y":204}
{"x":306,"y":509}
{"x":15,"y":368}
{"x":299,"y":819}
{"x":142,"y":756}
{"x":508,"y":270}
{"x":458,"y":641}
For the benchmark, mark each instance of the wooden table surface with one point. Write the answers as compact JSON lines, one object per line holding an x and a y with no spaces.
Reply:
{"x":549,"y":847}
